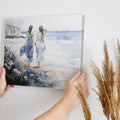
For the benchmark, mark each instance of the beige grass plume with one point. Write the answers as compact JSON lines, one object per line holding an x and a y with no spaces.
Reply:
{"x":108,"y":85}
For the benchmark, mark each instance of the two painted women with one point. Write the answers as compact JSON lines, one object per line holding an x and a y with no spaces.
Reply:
{"x":40,"y":45}
{"x":29,"y":43}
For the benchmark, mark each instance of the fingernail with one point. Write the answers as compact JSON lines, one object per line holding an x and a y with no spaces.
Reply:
{"x":78,"y":72}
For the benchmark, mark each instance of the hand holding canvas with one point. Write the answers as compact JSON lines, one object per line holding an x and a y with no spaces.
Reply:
{"x":64,"y":107}
{"x":3,"y":85}
{"x":71,"y":92}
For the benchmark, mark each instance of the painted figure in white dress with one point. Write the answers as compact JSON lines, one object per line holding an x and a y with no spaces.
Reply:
{"x":40,"y":46}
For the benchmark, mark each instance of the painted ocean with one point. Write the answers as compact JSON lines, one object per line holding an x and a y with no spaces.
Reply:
{"x":63,"y":52}
{"x":62,"y":48}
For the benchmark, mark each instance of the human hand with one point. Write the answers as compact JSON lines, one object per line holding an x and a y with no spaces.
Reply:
{"x":71,"y":93}
{"x":3,"y":85}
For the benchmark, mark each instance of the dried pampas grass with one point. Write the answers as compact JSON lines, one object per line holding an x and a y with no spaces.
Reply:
{"x":108,"y":84}
{"x":86,"y":110}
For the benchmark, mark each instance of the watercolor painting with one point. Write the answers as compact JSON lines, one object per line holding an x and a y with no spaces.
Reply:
{"x":43,"y":51}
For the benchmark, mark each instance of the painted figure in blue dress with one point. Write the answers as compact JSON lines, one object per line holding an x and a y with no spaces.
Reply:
{"x":29,"y":45}
{"x":40,"y":45}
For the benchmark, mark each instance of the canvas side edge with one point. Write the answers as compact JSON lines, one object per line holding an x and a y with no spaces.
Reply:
{"x":82,"y":45}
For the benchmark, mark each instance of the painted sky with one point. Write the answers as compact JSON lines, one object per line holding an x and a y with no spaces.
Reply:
{"x":50,"y":22}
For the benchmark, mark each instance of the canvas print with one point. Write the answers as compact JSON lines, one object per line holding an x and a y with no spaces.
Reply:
{"x":43,"y":51}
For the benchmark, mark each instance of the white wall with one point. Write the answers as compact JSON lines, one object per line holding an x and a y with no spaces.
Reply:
{"x":102,"y":23}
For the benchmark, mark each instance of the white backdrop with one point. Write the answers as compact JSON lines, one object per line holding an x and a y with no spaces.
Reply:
{"x":102,"y":22}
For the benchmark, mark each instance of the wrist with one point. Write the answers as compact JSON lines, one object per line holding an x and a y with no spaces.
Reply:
{"x":67,"y":105}
{"x":73,"y":102}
